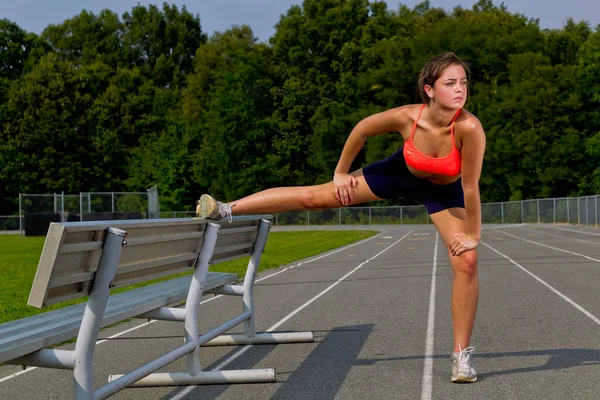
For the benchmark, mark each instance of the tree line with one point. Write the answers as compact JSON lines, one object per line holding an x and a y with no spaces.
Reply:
{"x":104,"y":102}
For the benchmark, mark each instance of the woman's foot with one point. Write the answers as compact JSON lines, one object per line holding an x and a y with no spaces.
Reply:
{"x":462,"y":366}
{"x":209,"y":208}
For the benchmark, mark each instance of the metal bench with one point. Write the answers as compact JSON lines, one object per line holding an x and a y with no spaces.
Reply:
{"x":89,"y":258}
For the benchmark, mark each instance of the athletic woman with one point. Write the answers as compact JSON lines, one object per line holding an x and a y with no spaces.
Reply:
{"x":439,"y":166}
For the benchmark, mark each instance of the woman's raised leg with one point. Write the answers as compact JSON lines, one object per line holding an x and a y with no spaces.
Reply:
{"x":294,"y":198}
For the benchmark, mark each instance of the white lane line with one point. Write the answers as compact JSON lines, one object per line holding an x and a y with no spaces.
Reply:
{"x":17,"y":374}
{"x":568,"y":300}
{"x":576,"y":231}
{"x":558,"y":236}
{"x":427,"y":386}
{"x":187,"y":390}
{"x":550,"y":247}
{"x":29,"y":369}
{"x":486,"y":227}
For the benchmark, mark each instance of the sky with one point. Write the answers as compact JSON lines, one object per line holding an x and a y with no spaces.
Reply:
{"x":262,"y":15}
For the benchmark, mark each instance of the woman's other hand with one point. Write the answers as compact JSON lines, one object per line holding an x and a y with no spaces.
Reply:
{"x":344,"y":185}
{"x":462,"y":242}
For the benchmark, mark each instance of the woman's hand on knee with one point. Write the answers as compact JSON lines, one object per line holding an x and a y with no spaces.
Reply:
{"x":344,"y":185}
{"x":462,"y":242}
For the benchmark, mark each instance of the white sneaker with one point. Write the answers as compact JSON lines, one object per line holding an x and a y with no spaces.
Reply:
{"x":209,"y":208}
{"x":462,"y":366}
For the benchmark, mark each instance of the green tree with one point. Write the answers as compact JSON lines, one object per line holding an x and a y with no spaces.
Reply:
{"x":49,"y":143}
{"x":163,"y":43}
{"x":87,"y":38}
{"x":229,"y":105}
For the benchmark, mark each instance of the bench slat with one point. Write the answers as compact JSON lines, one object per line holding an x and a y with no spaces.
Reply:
{"x":164,"y":238}
{"x":229,"y":231}
{"x":21,"y":337}
{"x":77,"y":247}
{"x":88,"y":276}
{"x":157,"y":262}
{"x":129,"y":224}
{"x":235,"y":247}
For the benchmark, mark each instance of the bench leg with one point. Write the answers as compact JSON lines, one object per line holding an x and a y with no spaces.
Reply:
{"x":195,"y":293}
{"x":250,"y":336}
{"x":251,"y":271}
{"x":94,"y":312}
{"x":238,"y":339}
{"x":266,"y":375}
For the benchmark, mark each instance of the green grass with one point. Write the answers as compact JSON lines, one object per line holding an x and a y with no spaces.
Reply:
{"x":19,"y":258}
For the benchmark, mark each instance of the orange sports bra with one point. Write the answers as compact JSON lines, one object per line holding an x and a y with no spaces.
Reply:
{"x":449,"y":165}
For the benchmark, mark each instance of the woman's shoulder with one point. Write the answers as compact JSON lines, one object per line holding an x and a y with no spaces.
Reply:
{"x":408,"y":111}
{"x":468,"y":122}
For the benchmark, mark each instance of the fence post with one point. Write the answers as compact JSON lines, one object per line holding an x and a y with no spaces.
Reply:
{"x":62,"y":207}
{"x":340,"y":214}
{"x":20,"y":218}
{"x":307,"y":217}
{"x":554,"y":210}
{"x":401,"y":208}
{"x":587,"y":211}
{"x":80,"y":206}
{"x":522,"y":221}
{"x":538,"y":210}
{"x":568,"y":217}
{"x":578,"y":211}
{"x":596,"y":197}
{"x":502,"y":211}
{"x":113,"y":201}
{"x":369,"y":216}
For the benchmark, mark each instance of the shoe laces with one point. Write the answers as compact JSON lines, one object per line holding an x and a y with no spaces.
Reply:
{"x":227,"y":212}
{"x":464,"y":356}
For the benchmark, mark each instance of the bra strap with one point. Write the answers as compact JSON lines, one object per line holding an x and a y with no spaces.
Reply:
{"x":453,"y":120}
{"x":417,"y":120}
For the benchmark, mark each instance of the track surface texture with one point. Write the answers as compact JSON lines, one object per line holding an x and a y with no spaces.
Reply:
{"x":380,"y":312}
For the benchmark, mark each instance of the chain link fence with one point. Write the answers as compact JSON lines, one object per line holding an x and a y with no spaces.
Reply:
{"x":133,"y":205}
{"x":9,"y":223}
{"x":568,"y":210}
{"x":36,"y":211}
{"x":356,"y":216}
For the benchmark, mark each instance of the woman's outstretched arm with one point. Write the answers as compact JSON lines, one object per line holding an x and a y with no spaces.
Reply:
{"x":386,"y":121}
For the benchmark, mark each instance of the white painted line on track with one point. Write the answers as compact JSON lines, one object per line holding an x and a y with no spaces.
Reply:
{"x":567,"y":299}
{"x":558,"y":236}
{"x":576,"y":231}
{"x":234,"y":356}
{"x":17,"y":374}
{"x":29,"y":369}
{"x":427,"y":385}
{"x":550,"y":247}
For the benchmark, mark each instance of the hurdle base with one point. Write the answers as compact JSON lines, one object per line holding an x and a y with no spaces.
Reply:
{"x":265,"y":375}
{"x":239,"y":339}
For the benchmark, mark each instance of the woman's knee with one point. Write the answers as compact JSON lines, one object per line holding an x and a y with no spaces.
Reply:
{"x":317,"y":198}
{"x":466,"y":263}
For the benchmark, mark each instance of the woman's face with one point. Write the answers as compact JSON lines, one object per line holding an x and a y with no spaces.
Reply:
{"x":450,"y":90}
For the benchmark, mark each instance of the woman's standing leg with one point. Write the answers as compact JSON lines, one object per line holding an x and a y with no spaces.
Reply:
{"x":465,"y":285}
